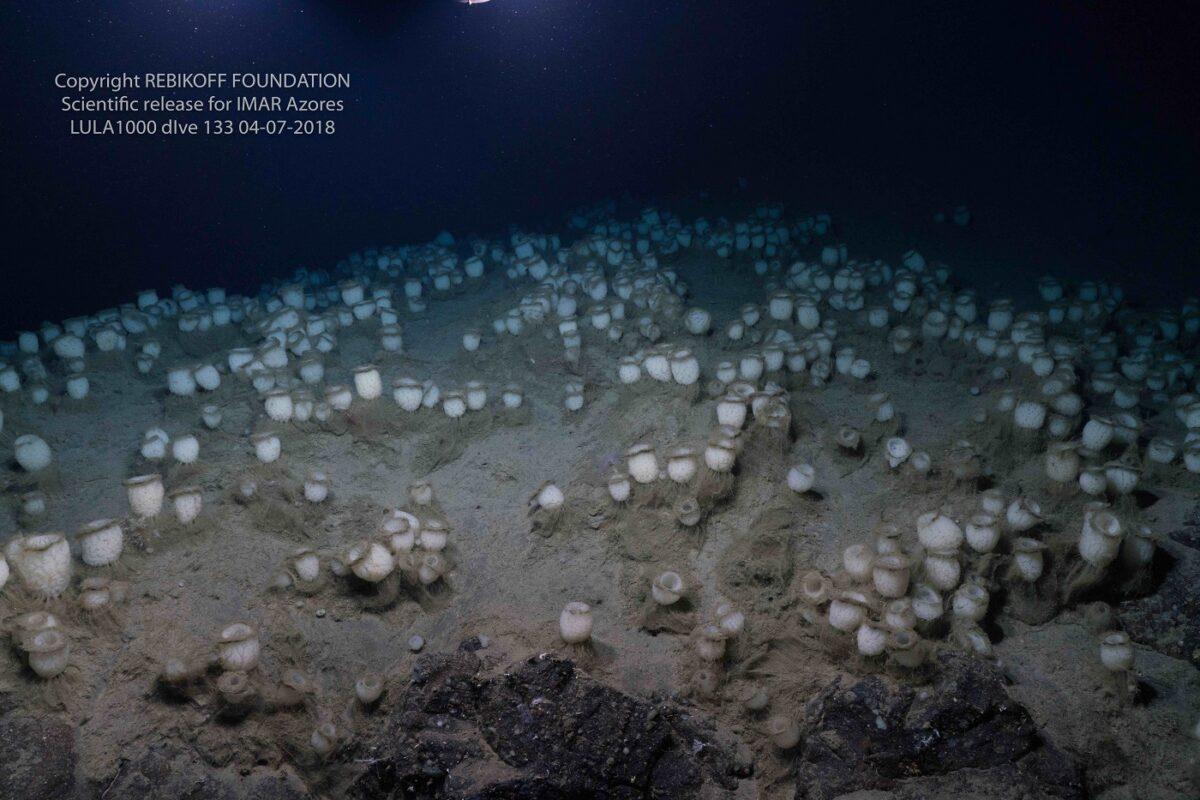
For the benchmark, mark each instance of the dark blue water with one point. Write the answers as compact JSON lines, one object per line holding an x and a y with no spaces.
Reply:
{"x":1070,"y":131}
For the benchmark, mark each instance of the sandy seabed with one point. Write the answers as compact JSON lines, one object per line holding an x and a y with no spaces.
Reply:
{"x":511,"y":567}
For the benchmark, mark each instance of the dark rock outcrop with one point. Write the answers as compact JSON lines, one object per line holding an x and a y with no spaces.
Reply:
{"x":1168,"y":620}
{"x":962,"y":730}
{"x":542,"y":730}
{"x":37,"y":758}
